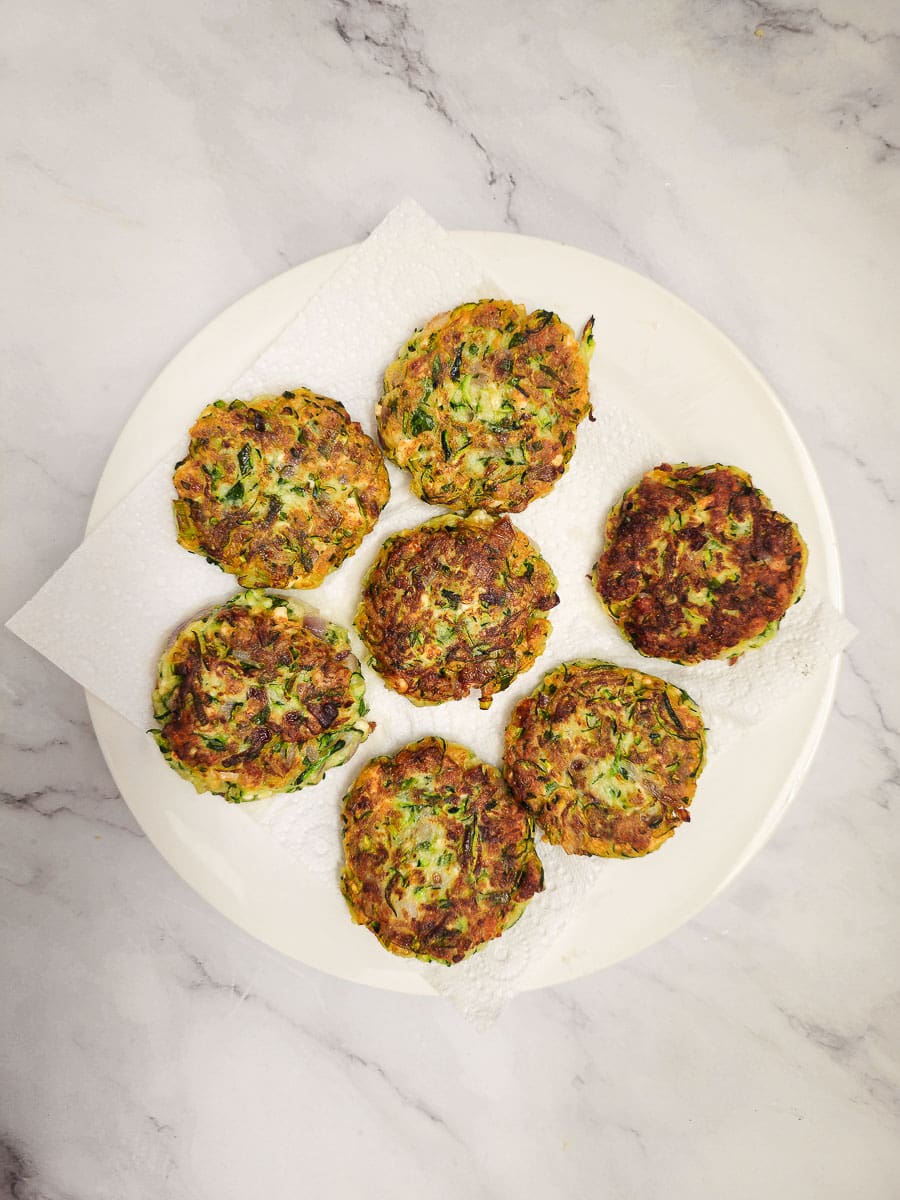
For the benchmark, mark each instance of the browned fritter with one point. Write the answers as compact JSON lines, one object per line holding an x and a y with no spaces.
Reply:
{"x":696,"y":564}
{"x":482,"y":406}
{"x":606,"y":759}
{"x":279,"y":490}
{"x":439,"y":857}
{"x":257,"y":697}
{"x":455,"y":604}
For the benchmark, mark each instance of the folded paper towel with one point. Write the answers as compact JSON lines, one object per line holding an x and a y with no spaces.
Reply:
{"x":103,"y":617}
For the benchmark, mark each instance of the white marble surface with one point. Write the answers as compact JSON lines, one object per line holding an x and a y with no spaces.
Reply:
{"x":159,"y":162}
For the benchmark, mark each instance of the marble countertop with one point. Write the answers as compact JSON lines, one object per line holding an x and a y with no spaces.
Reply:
{"x":159,"y":164}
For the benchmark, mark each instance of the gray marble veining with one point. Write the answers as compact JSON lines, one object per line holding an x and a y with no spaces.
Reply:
{"x":160,"y":164}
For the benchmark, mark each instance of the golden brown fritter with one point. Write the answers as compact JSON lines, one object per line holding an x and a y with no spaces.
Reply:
{"x":697,"y":565}
{"x":482,"y":405}
{"x":439,"y":858}
{"x":258,"y":696}
{"x":606,"y":759}
{"x":455,"y":604}
{"x":278,"y":491}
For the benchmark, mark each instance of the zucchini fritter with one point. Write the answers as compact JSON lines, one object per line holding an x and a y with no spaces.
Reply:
{"x":606,"y":759}
{"x":697,"y":565}
{"x":439,"y":858}
{"x":455,"y":604}
{"x":482,"y":406}
{"x":278,"y":491}
{"x":258,"y":696}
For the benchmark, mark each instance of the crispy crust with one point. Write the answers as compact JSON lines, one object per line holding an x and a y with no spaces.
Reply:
{"x":439,"y":858}
{"x":482,"y":405}
{"x":280,"y":490}
{"x":606,"y":759}
{"x":696,"y":564}
{"x":455,"y":604}
{"x":258,"y":696}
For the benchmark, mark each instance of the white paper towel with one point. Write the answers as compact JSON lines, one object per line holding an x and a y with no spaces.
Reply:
{"x":103,"y":617}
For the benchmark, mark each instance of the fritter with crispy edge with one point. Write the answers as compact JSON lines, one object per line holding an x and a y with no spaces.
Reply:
{"x":279,"y":490}
{"x":455,"y":604}
{"x":697,"y":565}
{"x":606,"y":759}
{"x":482,"y":406}
{"x":439,"y":857}
{"x":258,"y":696}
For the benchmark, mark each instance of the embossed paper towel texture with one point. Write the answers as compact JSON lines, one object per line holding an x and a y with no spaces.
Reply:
{"x":104,"y":615}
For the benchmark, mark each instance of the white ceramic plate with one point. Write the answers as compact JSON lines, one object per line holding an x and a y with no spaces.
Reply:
{"x":645,"y":337}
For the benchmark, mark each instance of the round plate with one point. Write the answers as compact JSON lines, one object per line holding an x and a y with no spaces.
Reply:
{"x":645,"y":336}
